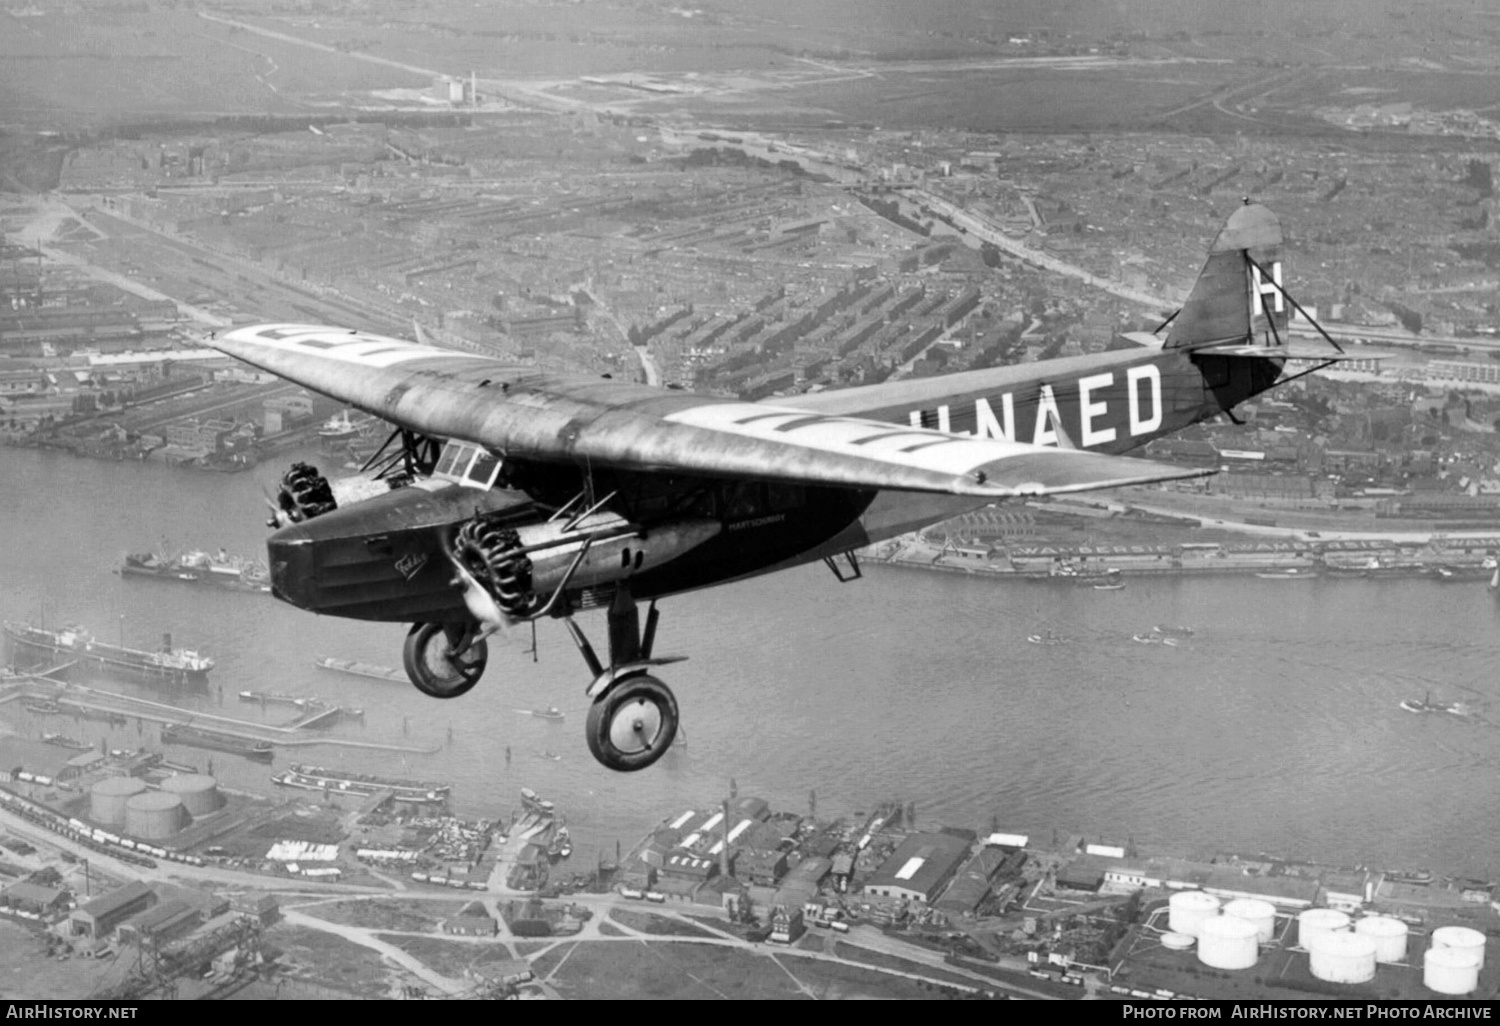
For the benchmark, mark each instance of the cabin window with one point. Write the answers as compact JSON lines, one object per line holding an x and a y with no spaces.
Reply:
{"x":485,"y":469}
{"x":451,"y":453}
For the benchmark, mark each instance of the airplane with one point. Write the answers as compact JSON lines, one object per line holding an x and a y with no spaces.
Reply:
{"x":514,"y":495}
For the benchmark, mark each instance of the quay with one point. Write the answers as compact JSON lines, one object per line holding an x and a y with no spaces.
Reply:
{"x":159,"y":712}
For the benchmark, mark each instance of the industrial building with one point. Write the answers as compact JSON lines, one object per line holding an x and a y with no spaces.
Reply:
{"x":472,"y":921}
{"x":98,"y":919}
{"x":257,"y":904}
{"x":972,"y":884}
{"x":25,"y":896}
{"x":160,"y":924}
{"x":919,"y":868}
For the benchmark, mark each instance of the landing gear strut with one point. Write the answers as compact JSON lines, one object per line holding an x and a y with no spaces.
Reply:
{"x":633,"y":718}
{"x":444,"y":660}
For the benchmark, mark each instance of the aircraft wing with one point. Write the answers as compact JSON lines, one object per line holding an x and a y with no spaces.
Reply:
{"x":521,"y":412}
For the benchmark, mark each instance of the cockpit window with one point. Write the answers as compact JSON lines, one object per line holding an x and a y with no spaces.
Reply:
{"x":466,"y":464}
{"x":484,"y":469}
{"x":451,"y":453}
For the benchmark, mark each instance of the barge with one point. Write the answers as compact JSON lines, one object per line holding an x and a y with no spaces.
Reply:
{"x":182,"y":734}
{"x":319,"y":778}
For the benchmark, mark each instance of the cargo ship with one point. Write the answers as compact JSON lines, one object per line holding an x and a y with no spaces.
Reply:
{"x":221,"y":570}
{"x":77,"y":646}
{"x":318,"y":778}
{"x":361,"y":669}
{"x":182,"y":734}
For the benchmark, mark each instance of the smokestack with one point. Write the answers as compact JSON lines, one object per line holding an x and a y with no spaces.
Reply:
{"x":724,"y":848}
{"x":473,"y":88}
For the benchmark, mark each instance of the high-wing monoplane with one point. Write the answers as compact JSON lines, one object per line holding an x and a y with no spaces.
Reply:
{"x":516,"y":495}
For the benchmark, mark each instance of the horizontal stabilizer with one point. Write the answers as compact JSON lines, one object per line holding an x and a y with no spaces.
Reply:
{"x":1294,"y":351}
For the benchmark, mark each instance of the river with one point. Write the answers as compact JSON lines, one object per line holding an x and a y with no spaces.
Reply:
{"x":1275,"y":727}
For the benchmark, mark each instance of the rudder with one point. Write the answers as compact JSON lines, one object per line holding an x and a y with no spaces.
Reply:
{"x":1232,"y":298}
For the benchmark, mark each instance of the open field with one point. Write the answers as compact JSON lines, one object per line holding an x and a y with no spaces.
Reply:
{"x":336,"y":962}
{"x":450,"y":957}
{"x":26,"y":971}
{"x":880,"y":959}
{"x":657,"y":926}
{"x":387,"y":914}
{"x":651,"y":970}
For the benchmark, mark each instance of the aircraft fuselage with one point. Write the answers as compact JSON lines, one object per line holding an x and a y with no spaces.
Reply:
{"x":384,"y":559}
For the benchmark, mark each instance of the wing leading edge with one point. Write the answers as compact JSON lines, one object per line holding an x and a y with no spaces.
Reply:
{"x":523,"y":413}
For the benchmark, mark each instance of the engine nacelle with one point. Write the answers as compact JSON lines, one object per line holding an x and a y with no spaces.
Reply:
{"x":619,"y":549}
{"x":523,"y":566}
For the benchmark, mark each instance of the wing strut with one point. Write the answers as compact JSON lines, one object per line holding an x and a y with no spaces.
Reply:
{"x":853,"y":573}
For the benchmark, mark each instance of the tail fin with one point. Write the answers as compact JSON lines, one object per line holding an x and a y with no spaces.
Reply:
{"x":1238,"y":294}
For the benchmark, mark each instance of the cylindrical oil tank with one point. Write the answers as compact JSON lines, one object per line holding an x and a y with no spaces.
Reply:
{"x":1388,"y":934}
{"x":154,"y":815}
{"x":1316,"y":921}
{"x":107,"y":799}
{"x":1342,"y":957}
{"x":1176,"y":941}
{"x":1450,"y":970}
{"x":199,"y":793}
{"x":1226,"y":942}
{"x":1187,"y":911}
{"x":1252,"y":910}
{"x":1461,"y":937}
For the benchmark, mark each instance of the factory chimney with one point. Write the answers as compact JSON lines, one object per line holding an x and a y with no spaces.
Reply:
{"x":473,"y":88}
{"x":724,"y":847}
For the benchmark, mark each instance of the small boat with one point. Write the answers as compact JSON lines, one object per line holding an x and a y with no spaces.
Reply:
{"x":1145,"y":639}
{"x":1046,"y":638}
{"x":1120,"y":586}
{"x":552,"y":712}
{"x":264,"y":697}
{"x":1425,"y":705}
{"x":63,"y":741}
{"x":1289,"y":574}
{"x":549,"y":755}
{"x":533,"y":803}
{"x":1172,"y":632}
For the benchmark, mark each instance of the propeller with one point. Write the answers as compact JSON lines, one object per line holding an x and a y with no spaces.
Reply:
{"x":477,"y":598}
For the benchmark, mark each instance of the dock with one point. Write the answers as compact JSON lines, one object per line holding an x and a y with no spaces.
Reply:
{"x":112,"y":703}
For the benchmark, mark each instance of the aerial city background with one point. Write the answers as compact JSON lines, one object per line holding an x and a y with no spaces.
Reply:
{"x":1155,"y":741}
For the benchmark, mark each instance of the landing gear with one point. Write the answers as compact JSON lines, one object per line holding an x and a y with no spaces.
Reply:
{"x":634,"y":717}
{"x":633,"y":723}
{"x":443,"y":660}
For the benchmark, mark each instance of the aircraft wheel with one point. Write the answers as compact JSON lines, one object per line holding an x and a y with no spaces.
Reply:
{"x":632,"y":724}
{"x":425,"y":657}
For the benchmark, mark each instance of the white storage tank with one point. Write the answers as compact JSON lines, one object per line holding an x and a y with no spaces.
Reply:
{"x":1450,"y":971}
{"x":199,"y":793}
{"x":1262,"y":914}
{"x":1316,"y":921}
{"x":107,"y":799}
{"x":1226,"y":942}
{"x":1342,"y":957}
{"x":1187,"y":911}
{"x":154,"y":815}
{"x":1176,"y":941}
{"x":1462,"y":938}
{"x":1388,"y":934}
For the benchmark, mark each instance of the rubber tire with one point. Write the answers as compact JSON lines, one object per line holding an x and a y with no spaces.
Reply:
{"x":602,"y":714}
{"x":424,"y":650}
